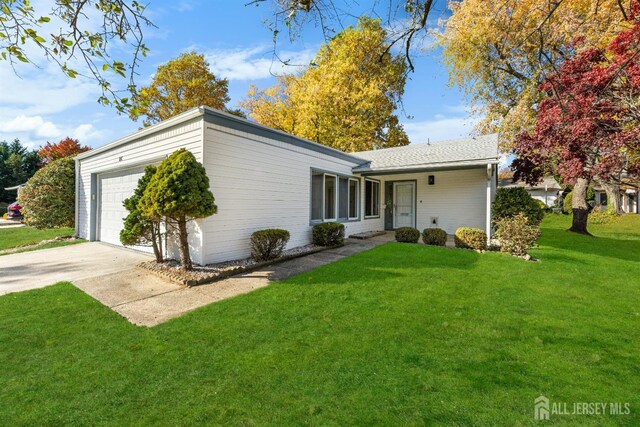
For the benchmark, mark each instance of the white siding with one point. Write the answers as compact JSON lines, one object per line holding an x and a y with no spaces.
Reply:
{"x":457,"y":199}
{"x":262,"y":183}
{"x":143,"y":151}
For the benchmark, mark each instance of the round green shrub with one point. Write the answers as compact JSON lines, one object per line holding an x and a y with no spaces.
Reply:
{"x":268,"y":244}
{"x":513,"y":200}
{"x":407,"y":235}
{"x":48,"y":198}
{"x":328,"y":234}
{"x":434,"y":236}
{"x":470,"y":238}
{"x":516,"y":235}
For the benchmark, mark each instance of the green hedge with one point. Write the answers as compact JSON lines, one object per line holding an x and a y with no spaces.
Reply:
{"x":470,"y":238}
{"x":328,"y":234}
{"x":434,"y":236}
{"x":407,"y":235}
{"x":268,"y":244}
{"x":513,"y":200}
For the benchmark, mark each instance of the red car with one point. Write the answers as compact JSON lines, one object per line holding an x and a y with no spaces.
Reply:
{"x":13,"y":211}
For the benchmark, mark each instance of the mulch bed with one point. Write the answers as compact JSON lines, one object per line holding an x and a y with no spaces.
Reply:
{"x":213,"y":272}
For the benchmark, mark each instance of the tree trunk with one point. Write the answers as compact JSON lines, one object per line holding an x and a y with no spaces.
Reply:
{"x":156,"y":241}
{"x":580,"y":207}
{"x":185,"y":257}
{"x":614,"y":200}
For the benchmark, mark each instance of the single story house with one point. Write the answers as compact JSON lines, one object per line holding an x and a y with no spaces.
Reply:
{"x":629,"y":195}
{"x":265,"y":178}
{"x":547,"y":191}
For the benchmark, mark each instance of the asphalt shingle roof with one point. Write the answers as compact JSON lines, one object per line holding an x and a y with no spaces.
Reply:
{"x":459,"y":152}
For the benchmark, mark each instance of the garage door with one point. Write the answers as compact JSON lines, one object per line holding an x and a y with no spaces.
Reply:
{"x":113,"y":188}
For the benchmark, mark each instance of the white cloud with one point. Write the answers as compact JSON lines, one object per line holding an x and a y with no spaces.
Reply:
{"x":86,"y":133}
{"x":255,"y":63}
{"x":440,"y":128}
{"x":33,"y":125}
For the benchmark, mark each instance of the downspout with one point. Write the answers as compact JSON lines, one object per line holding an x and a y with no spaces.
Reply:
{"x":77,"y":183}
{"x":488,"y":219}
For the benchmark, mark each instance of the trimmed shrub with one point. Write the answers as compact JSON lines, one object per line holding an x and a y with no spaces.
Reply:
{"x":328,"y":234}
{"x":513,"y":200}
{"x":470,"y":238}
{"x":602,"y":216}
{"x":516,"y":235}
{"x":407,"y":235}
{"x":48,"y":199}
{"x":268,"y":244}
{"x":566,"y":203}
{"x":434,"y":236}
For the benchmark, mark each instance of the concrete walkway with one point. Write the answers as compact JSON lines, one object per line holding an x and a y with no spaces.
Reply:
{"x":147,"y":300}
{"x":40,"y":268}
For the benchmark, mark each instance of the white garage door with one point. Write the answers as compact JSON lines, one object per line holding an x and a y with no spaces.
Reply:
{"x":113,"y":188}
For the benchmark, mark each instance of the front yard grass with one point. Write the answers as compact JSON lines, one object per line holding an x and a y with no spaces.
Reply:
{"x":402,"y":334}
{"x":12,"y":237}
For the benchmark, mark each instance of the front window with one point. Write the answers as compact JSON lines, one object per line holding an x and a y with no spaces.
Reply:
{"x":333,"y":197}
{"x":372,"y":198}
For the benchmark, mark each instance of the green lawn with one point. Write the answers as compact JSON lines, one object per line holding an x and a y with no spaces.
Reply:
{"x":403,"y":334}
{"x":11,"y":237}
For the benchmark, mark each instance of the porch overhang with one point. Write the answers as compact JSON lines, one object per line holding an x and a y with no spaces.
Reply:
{"x":365,"y":170}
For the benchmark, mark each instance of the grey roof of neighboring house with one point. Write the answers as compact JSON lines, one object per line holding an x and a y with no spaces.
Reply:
{"x":465,"y":152}
{"x":547,"y":182}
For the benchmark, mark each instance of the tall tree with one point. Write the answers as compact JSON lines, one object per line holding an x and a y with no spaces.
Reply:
{"x":583,"y":131}
{"x":65,"y":148}
{"x":346,"y":99}
{"x":177,"y":86}
{"x":17,"y":165}
{"x":79,"y":32}
{"x":499,"y":52}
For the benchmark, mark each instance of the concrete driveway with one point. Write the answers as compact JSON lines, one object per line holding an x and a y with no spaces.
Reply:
{"x":37,"y":269}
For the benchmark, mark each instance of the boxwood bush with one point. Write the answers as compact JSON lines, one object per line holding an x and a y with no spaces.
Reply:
{"x":513,"y":200}
{"x":268,"y":244}
{"x":407,"y":235}
{"x":328,"y":234}
{"x":516,"y":235}
{"x":470,"y":238}
{"x":434,"y":236}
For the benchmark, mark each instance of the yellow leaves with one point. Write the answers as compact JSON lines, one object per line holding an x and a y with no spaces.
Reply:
{"x":498,"y":51}
{"x":179,"y":85}
{"x":347,"y":100}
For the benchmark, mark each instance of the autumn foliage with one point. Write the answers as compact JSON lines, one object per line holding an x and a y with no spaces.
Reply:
{"x":587,"y":124}
{"x":65,"y":148}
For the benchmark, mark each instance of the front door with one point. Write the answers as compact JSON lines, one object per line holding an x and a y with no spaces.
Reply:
{"x":404,"y":204}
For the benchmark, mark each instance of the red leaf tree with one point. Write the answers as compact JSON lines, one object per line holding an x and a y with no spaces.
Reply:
{"x":588,"y":125}
{"x":65,"y":148}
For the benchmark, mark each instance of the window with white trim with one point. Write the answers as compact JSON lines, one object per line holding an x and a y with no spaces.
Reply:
{"x":371,"y":198}
{"x":334,"y":197}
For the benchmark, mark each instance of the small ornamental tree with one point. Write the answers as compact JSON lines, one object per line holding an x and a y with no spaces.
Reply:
{"x":48,"y":198}
{"x":139,"y":229}
{"x":179,"y":191}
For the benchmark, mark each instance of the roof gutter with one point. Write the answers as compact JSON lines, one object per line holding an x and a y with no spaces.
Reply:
{"x":426,"y":167}
{"x":176,"y":120}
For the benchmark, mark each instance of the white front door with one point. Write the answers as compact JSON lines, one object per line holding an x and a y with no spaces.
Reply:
{"x":404,"y":204}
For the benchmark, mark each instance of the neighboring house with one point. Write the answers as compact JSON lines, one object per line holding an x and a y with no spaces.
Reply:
{"x":265,"y":178}
{"x":547,"y":191}
{"x":629,"y":195}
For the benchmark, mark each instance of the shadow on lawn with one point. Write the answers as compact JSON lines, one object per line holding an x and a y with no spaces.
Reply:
{"x":626,"y":250}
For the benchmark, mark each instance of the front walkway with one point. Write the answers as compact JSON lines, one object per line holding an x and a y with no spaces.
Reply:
{"x":147,"y":300}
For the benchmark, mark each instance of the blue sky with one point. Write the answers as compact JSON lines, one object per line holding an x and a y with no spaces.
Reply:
{"x":40,"y":104}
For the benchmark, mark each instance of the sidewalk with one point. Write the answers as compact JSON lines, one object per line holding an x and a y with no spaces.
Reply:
{"x":147,"y":300}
